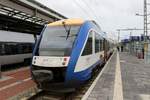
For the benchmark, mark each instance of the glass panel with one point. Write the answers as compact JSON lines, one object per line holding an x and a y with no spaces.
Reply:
{"x":12,"y":48}
{"x":101,"y":44}
{"x":97,"y":43}
{"x":88,"y":47}
{"x":1,"y":49}
{"x":57,"y":40}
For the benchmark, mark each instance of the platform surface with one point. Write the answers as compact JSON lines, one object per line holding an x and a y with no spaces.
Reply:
{"x":125,"y":77}
{"x":16,"y":84}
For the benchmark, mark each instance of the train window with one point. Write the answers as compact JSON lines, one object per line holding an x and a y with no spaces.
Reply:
{"x":20,"y":48}
{"x":0,"y":49}
{"x":101,"y":44}
{"x":97,"y":43}
{"x":15,"y":48}
{"x":88,"y":47}
{"x":104,"y":44}
{"x":10,"y":48}
{"x":58,"y":40}
{"x":27,"y":48}
{"x":7,"y":49}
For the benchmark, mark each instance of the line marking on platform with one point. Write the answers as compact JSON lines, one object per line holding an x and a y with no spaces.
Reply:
{"x":8,"y":73}
{"x":118,"y":92}
{"x":5,"y":78}
{"x":14,"y":84}
{"x":85,"y":97}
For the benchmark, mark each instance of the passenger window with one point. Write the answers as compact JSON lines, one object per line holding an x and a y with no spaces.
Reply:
{"x":88,"y":46}
{"x":97,"y":43}
{"x":20,"y":48}
{"x":29,"y":48}
{"x":0,"y":49}
{"x":15,"y":48}
{"x":101,"y":44}
{"x":3,"y":49}
{"x":25,"y":48}
{"x":8,"y":49}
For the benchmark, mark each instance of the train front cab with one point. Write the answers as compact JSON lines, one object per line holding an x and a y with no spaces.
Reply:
{"x":60,"y":60}
{"x":52,"y":52}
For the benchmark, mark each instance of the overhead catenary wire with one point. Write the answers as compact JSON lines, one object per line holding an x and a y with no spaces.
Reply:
{"x":86,"y":11}
{"x":92,"y":10}
{"x":83,"y":9}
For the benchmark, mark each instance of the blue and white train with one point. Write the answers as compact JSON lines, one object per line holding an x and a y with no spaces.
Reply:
{"x":67,"y":52}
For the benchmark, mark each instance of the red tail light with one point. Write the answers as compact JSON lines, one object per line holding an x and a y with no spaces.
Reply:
{"x":65,"y":59}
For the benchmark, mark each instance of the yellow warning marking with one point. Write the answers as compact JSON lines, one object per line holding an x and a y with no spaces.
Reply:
{"x":118,"y":92}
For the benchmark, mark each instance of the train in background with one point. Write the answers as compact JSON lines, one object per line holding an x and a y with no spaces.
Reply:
{"x":67,"y":52}
{"x":15,"y":47}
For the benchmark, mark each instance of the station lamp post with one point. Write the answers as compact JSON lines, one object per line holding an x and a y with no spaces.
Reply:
{"x":145,"y":15}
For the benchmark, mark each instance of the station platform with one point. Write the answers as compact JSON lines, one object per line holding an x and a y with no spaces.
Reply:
{"x":16,"y":84}
{"x":124,"y":77}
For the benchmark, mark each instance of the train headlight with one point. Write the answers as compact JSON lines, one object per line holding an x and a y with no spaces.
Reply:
{"x":63,"y":63}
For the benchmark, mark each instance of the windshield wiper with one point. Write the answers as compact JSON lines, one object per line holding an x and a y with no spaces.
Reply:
{"x":68,"y":33}
{"x":67,"y":30}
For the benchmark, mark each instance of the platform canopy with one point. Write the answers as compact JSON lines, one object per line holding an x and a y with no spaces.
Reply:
{"x":28,"y":16}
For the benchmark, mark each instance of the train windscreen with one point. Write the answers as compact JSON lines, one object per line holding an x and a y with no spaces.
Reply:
{"x":58,"y":40}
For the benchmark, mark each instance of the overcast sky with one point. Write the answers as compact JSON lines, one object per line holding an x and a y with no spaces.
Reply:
{"x":109,"y":14}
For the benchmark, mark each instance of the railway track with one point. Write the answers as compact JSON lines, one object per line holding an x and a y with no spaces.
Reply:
{"x":43,"y":95}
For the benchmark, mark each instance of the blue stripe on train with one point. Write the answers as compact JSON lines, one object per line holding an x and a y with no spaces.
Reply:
{"x":79,"y":43}
{"x":81,"y":77}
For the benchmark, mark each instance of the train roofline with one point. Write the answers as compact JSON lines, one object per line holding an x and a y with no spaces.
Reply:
{"x":71,"y":21}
